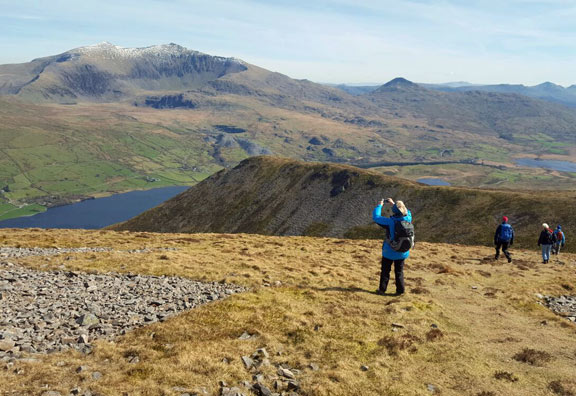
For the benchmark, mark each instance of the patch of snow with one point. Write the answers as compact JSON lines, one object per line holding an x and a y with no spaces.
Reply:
{"x":106,"y":50}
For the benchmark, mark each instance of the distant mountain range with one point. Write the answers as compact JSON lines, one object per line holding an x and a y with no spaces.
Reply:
{"x":545,"y":91}
{"x":171,"y":76}
{"x":103,"y":119}
{"x":481,"y":112}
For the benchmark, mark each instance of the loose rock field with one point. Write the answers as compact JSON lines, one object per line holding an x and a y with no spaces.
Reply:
{"x":15,"y":252}
{"x":57,"y":310}
{"x":563,"y":306}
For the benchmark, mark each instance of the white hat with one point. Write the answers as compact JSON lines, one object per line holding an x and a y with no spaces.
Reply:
{"x":544,"y":225}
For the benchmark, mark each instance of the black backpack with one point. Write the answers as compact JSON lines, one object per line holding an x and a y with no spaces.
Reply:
{"x":403,"y":236}
{"x":551,"y":238}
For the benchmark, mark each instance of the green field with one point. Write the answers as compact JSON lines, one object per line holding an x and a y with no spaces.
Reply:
{"x":8,"y":211}
{"x":49,"y":159}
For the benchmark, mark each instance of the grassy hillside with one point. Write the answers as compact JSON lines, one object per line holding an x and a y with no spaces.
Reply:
{"x":277,"y":196}
{"x":456,"y":331}
{"x":54,"y":153}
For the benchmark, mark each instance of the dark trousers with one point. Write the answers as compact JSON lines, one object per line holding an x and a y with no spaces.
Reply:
{"x":504,"y":246}
{"x":398,"y":274}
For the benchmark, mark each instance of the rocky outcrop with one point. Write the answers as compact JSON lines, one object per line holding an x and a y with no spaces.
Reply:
{"x":253,"y":148}
{"x":169,"y":102}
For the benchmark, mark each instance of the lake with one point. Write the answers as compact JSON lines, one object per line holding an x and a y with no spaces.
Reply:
{"x":433,"y":181}
{"x":97,"y":213}
{"x":563,"y":166}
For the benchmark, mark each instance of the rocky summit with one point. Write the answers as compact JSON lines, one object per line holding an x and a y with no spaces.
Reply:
{"x":49,"y":311}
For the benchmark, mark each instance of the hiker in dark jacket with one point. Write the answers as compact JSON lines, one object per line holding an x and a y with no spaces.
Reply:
{"x":560,"y":240}
{"x":389,"y":255}
{"x":504,"y":238}
{"x":546,"y":240}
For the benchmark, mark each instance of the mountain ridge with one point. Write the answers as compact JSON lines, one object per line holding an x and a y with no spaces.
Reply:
{"x":547,"y":91}
{"x":278,"y":196}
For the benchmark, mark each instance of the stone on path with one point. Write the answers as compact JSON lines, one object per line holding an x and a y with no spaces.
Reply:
{"x":261,"y":390}
{"x":245,"y":336}
{"x":314,"y":367}
{"x":6,"y":345}
{"x":285,"y":373}
{"x":248,"y":362}
{"x":88,"y":319}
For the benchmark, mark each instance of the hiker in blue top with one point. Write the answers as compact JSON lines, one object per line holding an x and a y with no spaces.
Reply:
{"x":560,"y":240}
{"x":504,"y":238}
{"x":395,"y":248}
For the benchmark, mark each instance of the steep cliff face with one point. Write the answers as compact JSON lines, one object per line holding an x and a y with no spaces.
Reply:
{"x":169,"y":102}
{"x":276,"y":196}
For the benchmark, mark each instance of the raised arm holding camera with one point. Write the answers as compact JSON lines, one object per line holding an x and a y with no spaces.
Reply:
{"x":396,"y":247}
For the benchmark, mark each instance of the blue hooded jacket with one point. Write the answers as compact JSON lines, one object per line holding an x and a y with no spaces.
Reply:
{"x":563,"y":241}
{"x":387,"y":250}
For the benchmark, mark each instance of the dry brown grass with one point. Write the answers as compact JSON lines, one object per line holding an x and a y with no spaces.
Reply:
{"x":320,"y":308}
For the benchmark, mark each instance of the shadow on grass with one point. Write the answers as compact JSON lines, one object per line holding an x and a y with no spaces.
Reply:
{"x":352,"y":290}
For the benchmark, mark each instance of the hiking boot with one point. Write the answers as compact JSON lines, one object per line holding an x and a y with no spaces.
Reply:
{"x":399,"y":293}
{"x":381,"y":292}
{"x":509,"y":259}
{"x":496,"y":257}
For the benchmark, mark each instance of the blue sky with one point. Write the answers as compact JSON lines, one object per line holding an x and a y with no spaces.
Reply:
{"x":483,"y":41}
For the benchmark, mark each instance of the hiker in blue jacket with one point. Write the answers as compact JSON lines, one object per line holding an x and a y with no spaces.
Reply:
{"x":560,"y":240}
{"x":504,"y":238}
{"x":389,"y":255}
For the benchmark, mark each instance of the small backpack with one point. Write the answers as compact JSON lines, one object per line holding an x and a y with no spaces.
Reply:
{"x":559,"y":236}
{"x":403,"y":236}
{"x":505,"y":233}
